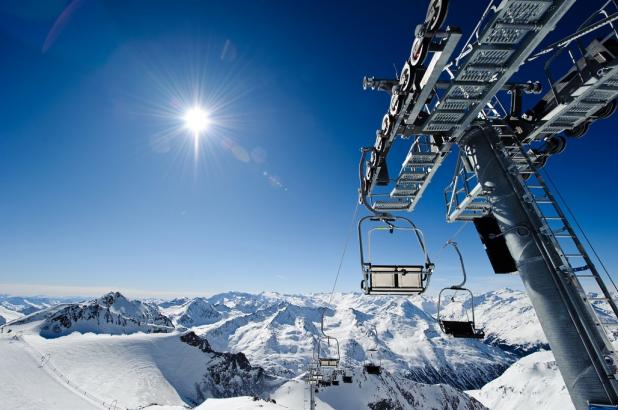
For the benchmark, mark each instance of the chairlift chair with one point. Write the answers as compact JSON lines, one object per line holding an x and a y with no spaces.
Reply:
{"x":327,"y":357}
{"x":459,"y":328}
{"x":373,"y":365}
{"x":395,"y":279}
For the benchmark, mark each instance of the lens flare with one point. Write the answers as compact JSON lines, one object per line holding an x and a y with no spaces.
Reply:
{"x":197,"y":120}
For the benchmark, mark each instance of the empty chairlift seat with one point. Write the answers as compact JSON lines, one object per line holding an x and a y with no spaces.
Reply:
{"x":327,"y":351}
{"x":463,"y":325}
{"x":396,"y":278}
{"x":463,"y":329}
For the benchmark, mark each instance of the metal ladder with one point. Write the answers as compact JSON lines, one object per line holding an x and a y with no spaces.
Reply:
{"x":573,"y":260}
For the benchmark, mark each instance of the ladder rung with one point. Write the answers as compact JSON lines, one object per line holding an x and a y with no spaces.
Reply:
{"x":573,"y":255}
{"x":562,"y":235}
{"x":609,"y":323}
{"x":598,"y":298}
{"x":552,"y":218}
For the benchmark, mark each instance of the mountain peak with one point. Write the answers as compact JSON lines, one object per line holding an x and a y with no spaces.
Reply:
{"x":111,"y":297}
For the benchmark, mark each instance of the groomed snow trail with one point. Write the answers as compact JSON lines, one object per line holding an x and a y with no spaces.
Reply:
{"x":22,"y":381}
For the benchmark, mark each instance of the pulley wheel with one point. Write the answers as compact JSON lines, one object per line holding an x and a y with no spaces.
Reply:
{"x":436,"y":13}
{"x":406,"y":78}
{"x":387,"y":125}
{"x":420,"y":47}
{"x":579,"y":130}
{"x":606,"y":111}
{"x":396,"y":102}
{"x":555,"y":144}
{"x":380,"y":142}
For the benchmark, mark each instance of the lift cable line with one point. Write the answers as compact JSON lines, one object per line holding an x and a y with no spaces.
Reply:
{"x":345,"y":248}
{"x":577,"y":35}
{"x":568,"y":208}
{"x":445,"y":99}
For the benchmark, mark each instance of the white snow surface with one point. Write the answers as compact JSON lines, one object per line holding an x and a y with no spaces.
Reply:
{"x":193,"y":312}
{"x":279,"y":332}
{"x":112,"y":313}
{"x":366,"y":390}
{"x":507,"y":317}
{"x":533,"y":382}
{"x":106,"y":348}
{"x":8,"y":315}
{"x":239,"y":403}
{"x":132,"y":370}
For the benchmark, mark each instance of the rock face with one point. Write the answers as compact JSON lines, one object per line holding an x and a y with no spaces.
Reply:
{"x":228,"y":374}
{"x":112,"y":314}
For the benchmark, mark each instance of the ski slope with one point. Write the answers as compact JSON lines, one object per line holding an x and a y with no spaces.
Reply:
{"x":383,"y":391}
{"x":533,"y":382}
{"x":25,"y":385}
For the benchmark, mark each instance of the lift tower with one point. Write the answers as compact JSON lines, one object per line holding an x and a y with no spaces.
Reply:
{"x":453,"y":101}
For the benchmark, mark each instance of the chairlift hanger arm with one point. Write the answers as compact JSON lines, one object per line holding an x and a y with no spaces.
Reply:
{"x":461,"y":262}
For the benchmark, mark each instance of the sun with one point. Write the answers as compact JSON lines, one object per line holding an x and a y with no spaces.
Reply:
{"x":197,"y":120}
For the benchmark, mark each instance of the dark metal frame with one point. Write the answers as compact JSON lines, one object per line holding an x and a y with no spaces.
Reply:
{"x":424,"y":271}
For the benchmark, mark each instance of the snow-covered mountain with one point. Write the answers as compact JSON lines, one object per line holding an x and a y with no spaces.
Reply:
{"x":193,"y":312}
{"x":31,"y":304}
{"x":271,"y":338}
{"x":384,"y":391}
{"x":177,"y":369}
{"x":112,"y":314}
{"x":7,"y":315}
{"x":533,"y":382}
{"x":279,"y":333}
{"x":508,"y":319}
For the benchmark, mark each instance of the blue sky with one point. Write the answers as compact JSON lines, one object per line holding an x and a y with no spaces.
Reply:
{"x":100,"y":186}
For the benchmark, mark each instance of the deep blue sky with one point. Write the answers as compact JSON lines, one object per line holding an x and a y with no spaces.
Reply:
{"x":99,"y":187}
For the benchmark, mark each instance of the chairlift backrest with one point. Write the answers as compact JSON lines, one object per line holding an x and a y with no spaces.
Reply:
{"x":392,"y":279}
{"x":327,"y":357}
{"x":459,"y":328}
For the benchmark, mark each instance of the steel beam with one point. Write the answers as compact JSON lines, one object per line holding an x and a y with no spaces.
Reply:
{"x":575,"y":341}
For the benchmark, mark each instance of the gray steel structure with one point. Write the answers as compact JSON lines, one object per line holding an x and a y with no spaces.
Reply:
{"x":496,"y":174}
{"x":583,"y":351}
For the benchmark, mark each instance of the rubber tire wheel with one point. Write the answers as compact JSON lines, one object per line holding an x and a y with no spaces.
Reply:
{"x":606,"y":111}
{"x":395,"y":105}
{"x":387,"y":125}
{"x":420,"y":48}
{"x":435,"y":19}
{"x":406,"y":78}
{"x":579,"y":130}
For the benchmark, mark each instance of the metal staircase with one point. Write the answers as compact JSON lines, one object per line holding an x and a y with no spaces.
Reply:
{"x":483,"y":68}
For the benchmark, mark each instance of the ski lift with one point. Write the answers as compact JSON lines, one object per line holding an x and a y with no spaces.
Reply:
{"x":392,"y":279}
{"x":328,"y":348}
{"x":373,"y":365}
{"x":459,"y":328}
